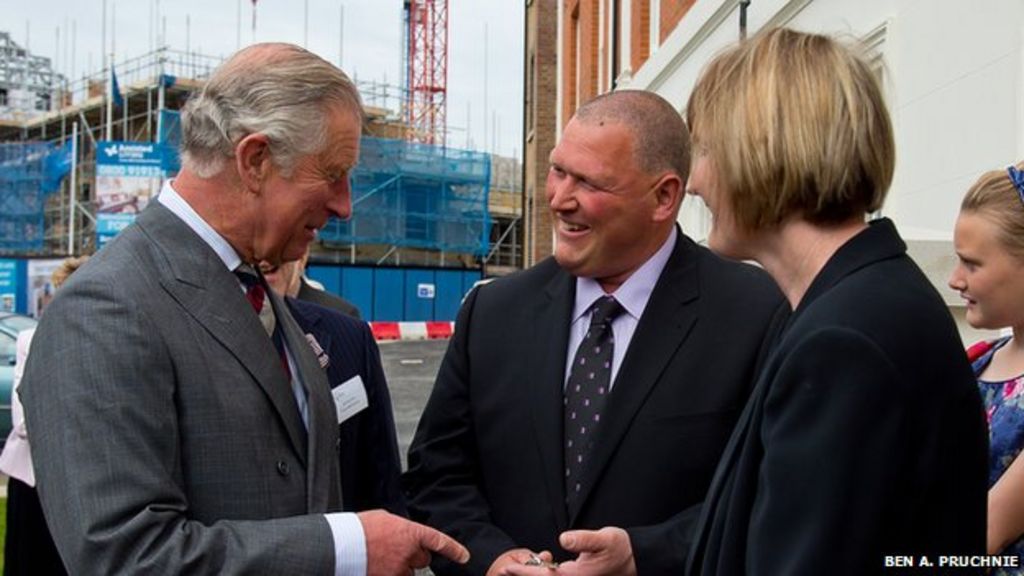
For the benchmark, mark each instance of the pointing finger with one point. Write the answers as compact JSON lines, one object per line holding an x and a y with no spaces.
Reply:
{"x":442,"y":544}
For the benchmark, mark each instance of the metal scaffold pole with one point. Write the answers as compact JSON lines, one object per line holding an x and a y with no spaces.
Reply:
{"x":109,"y":132}
{"x":73,"y":189}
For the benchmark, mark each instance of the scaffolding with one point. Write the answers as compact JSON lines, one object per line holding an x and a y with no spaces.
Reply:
{"x":417,"y":196}
{"x":414,"y":203}
{"x":148,"y":84}
{"x":506,"y":208}
{"x":30,"y":173}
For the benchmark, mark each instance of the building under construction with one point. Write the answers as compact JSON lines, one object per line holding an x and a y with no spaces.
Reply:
{"x":415,"y":203}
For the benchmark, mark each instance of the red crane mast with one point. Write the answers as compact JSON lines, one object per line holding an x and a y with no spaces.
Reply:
{"x":427,"y":70}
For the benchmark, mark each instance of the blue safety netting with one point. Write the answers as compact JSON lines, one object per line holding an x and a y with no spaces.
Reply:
{"x":170,"y":134}
{"x":417,"y":195}
{"x":30,"y":172}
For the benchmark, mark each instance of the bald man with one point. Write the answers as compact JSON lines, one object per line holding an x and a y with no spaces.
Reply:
{"x":583,"y":404}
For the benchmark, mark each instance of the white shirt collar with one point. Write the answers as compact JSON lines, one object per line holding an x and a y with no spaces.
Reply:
{"x":181,"y":208}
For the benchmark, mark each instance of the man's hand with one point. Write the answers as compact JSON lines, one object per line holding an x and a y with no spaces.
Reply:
{"x":395,"y":545}
{"x":515,"y":557}
{"x":604,"y":551}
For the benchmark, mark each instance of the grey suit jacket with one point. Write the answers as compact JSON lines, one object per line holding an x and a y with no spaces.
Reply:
{"x":165,"y":434}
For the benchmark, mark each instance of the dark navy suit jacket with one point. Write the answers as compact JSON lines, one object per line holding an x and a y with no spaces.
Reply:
{"x":367,"y":443}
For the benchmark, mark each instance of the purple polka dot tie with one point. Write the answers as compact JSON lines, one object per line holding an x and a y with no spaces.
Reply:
{"x":585,"y":394}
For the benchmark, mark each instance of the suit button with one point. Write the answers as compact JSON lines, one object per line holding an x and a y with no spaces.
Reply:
{"x":282,"y":468}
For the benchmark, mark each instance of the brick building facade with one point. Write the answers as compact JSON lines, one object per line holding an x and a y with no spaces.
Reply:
{"x":540,"y":100}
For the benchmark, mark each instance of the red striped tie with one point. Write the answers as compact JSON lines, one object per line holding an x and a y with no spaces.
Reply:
{"x":256,"y":294}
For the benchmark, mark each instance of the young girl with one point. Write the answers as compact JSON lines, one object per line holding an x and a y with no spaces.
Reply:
{"x":989,"y":240}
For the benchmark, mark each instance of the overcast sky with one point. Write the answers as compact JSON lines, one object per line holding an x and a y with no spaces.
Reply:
{"x":370,"y":49}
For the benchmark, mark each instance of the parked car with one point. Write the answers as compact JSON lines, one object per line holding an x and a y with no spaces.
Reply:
{"x":10,"y":325}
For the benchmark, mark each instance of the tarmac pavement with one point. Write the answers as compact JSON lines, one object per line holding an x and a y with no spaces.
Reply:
{"x":410,"y":367}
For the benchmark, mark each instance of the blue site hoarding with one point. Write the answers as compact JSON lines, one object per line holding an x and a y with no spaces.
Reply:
{"x":381,"y":294}
{"x":398,"y":294}
{"x":10,"y":285}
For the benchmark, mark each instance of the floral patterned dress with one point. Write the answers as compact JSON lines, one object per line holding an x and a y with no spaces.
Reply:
{"x":1004,"y":408}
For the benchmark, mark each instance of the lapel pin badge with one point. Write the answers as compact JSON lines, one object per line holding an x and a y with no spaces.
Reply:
{"x":318,"y":350}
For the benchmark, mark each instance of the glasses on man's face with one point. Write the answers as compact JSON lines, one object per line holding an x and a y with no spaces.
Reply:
{"x":1017,"y":177}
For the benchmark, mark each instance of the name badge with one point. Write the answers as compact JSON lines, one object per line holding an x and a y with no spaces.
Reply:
{"x":350,"y":398}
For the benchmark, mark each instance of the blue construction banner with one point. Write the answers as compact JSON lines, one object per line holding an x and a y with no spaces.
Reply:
{"x":128,"y":175}
{"x":110,"y":225}
{"x":8,"y":285}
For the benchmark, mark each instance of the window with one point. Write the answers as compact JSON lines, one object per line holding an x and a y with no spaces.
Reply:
{"x":42,"y":101}
{"x":531,"y":94}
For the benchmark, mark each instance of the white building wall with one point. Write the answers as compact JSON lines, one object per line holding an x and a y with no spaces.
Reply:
{"x":954,"y":85}
{"x":954,"y":75}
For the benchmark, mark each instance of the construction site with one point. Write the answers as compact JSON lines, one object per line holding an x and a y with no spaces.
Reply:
{"x":80,"y":157}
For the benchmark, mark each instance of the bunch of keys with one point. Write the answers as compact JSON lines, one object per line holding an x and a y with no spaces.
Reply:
{"x":535,"y":560}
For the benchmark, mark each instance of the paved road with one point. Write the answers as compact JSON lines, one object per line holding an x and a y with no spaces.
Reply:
{"x":410,"y":367}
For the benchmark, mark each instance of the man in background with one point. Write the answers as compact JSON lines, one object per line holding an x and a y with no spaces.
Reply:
{"x":367,"y":439}
{"x":291,"y":280}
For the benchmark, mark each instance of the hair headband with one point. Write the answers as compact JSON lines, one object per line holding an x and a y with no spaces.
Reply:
{"x":1017,"y":177}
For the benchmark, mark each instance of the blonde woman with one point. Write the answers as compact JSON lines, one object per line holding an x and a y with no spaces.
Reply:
{"x":989,"y":240}
{"x":864,"y":437}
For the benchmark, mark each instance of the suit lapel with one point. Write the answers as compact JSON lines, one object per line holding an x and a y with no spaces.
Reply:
{"x":323,"y":431}
{"x":550,"y":338}
{"x":198,"y":280}
{"x":666,"y":321}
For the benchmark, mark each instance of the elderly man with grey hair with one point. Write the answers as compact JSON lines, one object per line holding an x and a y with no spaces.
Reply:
{"x":182,"y":422}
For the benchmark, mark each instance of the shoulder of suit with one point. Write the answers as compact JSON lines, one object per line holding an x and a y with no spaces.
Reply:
{"x":128,"y":264}
{"x":721,"y":274}
{"x":534,"y":277}
{"x":306,"y":311}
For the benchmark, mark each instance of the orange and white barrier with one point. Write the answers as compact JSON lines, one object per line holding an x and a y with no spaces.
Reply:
{"x":412,"y":330}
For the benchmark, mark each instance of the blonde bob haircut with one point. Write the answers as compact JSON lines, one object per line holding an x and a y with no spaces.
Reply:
{"x":995,"y":197}
{"x":795,"y":126}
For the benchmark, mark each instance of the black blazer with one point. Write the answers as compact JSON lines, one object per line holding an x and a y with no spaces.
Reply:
{"x":486,"y":463}
{"x":367,"y":443}
{"x":865,"y":435}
